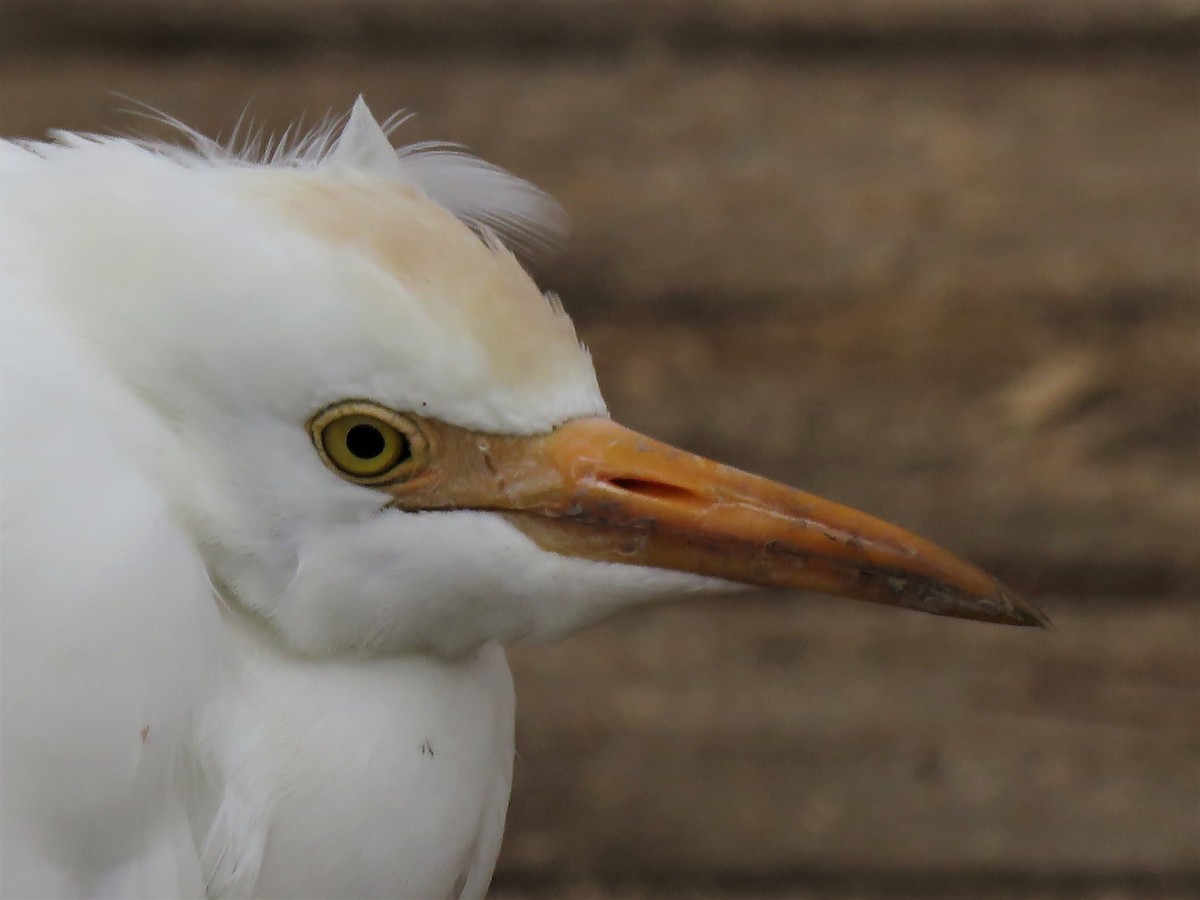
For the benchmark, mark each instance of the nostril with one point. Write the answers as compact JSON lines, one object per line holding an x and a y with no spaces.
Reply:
{"x":658,"y":490}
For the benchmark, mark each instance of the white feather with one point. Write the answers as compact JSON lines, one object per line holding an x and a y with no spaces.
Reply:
{"x":108,"y":637}
{"x":225,"y":671}
{"x":479,"y":193}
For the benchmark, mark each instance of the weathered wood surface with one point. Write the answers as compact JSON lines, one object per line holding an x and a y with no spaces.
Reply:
{"x":799,"y":738}
{"x":593,"y":28}
{"x":940,"y":260}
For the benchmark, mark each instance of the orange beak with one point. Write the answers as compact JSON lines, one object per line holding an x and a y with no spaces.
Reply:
{"x":595,"y":490}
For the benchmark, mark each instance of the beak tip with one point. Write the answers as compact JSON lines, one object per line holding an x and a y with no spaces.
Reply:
{"x":1035,"y":619}
{"x":1042,"y":621}
{"x":990,"y":601}
{"x":1021,"y":612}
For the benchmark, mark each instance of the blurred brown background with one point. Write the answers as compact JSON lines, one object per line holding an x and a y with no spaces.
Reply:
{"x":935,"y":258}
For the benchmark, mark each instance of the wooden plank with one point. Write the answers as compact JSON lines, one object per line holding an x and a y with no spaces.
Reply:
{"x":862,"y":888}
{"x":799,"y":738}
{"x":589,"y":28}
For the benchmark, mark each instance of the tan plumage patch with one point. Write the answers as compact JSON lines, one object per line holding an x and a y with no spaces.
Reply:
{"x":470,"y":286}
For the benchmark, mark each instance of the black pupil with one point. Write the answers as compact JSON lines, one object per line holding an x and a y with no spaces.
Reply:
{"x":365,"y":441}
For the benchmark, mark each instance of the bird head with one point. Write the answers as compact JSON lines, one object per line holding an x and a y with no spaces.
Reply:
{"x":377,"y":431}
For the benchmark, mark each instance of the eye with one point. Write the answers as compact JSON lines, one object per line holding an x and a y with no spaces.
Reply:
{"x":367,"y":443}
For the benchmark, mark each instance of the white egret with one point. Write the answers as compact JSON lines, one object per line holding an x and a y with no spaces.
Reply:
{"x":291,"y":448}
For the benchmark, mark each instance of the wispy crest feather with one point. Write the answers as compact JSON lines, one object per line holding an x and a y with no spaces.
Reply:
{"x":483,"y":196}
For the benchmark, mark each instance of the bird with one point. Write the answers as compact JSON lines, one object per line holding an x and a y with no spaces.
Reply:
{"x":292,"y":447}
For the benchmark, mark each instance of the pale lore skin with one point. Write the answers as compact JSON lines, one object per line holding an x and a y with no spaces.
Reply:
{"x":291,"y":448}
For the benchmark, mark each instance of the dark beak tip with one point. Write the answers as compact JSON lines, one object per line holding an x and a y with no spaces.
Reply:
{"x":997,"y":605}
{"x":1022,"y":613}
{"x":1039,"y":619}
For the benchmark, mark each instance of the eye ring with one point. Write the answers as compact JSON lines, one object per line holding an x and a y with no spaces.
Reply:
{"x":367,"y":443}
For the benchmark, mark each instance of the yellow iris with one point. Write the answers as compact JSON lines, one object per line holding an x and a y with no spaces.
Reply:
{"x":362,"y":445}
